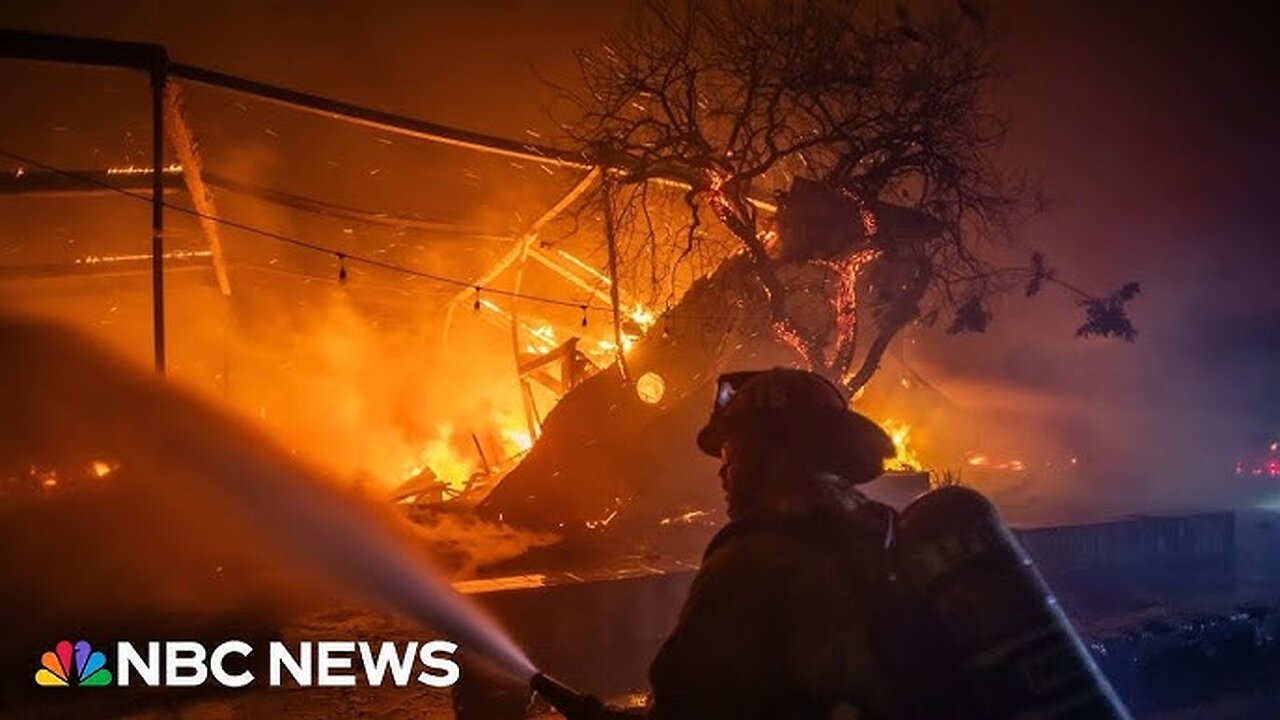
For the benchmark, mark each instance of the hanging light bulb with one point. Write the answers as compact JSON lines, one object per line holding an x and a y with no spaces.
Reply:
{"x":342,"y":267}
{"x":584,"y":316}
{"x":476,"y":304}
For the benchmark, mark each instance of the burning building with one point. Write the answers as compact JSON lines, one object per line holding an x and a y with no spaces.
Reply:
{"x":512,"y":341}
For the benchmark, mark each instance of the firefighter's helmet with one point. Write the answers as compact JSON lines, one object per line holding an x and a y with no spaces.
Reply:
{"x":800,"y":410}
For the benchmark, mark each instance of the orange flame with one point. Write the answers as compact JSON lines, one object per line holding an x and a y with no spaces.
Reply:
{"x":905,"y":457}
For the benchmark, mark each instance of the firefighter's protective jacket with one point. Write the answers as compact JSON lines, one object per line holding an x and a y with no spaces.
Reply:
{"x":779,"y":622}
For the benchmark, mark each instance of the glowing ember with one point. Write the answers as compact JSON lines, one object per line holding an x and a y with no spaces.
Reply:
{"x":101,"y":468}
{"x":1266,"y":466}
{"x":1013,"y":465}
{"x":603,"y":523}
{"x":684,"y":518}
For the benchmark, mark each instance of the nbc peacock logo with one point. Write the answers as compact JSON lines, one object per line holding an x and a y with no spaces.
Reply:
{"x":70,"y":665}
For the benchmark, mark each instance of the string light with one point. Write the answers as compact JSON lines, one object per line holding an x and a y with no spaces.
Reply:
{"x":342,"y":256}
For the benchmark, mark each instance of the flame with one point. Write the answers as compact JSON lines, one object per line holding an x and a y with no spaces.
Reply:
{"x":441,"y":457}
{"x":519,"y":437}
{"x":454,"y":459}
{"x":642,"y":316}
{"x":905,"y":457}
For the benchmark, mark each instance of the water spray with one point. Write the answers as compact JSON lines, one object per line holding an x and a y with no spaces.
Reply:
{"x":76,"y":388}
{"x":79,"y":389}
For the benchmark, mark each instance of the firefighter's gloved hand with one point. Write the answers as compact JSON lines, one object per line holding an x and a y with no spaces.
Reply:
{"x":574,"y":705}
{"x":590,"y":707}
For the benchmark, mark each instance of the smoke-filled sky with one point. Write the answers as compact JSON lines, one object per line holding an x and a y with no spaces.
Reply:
{"x":1152,"y":125}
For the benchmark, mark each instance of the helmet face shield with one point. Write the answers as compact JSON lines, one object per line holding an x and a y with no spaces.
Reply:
{"x":727,"y":386}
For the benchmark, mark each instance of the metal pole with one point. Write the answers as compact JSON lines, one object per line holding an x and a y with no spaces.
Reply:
{"x":377,"y":119}
{"x":159,"y":75}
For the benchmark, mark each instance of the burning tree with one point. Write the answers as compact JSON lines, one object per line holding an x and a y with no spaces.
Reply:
{"x":847,"y":158}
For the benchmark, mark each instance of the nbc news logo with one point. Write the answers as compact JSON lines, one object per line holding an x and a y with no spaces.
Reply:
{"x":185,"y":663}
{"x":77,"y":664}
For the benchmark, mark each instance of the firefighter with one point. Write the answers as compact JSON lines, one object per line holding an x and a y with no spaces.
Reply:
{"x":778,"y":623}
{"x":814,"y":602}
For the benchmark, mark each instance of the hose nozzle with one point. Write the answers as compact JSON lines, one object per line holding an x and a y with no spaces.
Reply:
{"x":567,"y":701}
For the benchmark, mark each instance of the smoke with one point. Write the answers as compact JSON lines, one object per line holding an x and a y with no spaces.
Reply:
{"x":1098,"y":428}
